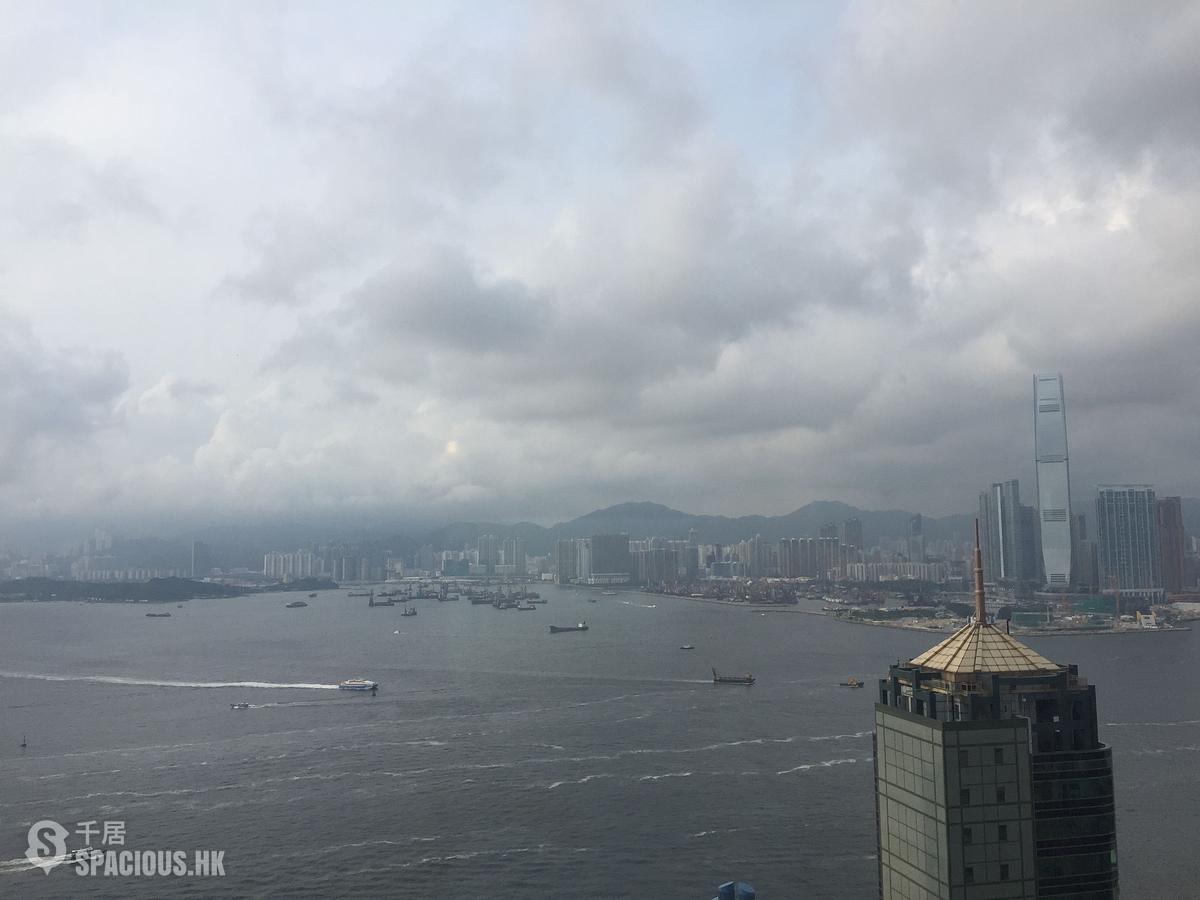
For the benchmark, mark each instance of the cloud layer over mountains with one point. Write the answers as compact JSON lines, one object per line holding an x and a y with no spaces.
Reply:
{"x":522,"y":261}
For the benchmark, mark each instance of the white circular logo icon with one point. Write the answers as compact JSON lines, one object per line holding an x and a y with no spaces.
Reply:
{"x":47,"y":844}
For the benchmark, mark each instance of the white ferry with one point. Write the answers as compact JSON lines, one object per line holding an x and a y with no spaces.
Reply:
{"x":358,"y":684}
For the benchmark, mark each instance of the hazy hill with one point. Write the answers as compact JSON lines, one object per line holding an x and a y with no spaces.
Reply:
{"x":643,"y":519}
{"x":245,"y":544}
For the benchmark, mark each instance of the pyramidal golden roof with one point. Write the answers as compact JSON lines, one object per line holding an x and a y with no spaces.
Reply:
{"x":978,"y":647}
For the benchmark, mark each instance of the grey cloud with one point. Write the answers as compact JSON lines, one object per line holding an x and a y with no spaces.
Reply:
{"x":441,"y":299}
{"x":291,"y":251}
{"x":51,"y":401}
{"x":51,"y":190}
{"x":598,"y":269}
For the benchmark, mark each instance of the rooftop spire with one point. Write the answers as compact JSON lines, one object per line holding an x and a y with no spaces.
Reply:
{"x":980,"y":605}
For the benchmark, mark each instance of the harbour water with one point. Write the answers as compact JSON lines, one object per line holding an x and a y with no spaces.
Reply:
{"x":499,"y":760}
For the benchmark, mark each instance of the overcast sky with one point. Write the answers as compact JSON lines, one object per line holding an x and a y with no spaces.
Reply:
{"x":524,"y":260}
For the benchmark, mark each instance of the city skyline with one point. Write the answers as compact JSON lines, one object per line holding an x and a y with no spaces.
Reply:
{"x":241,"y":287}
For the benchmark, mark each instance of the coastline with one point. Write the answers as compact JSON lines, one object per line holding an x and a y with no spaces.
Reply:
{"x":922,"y":629}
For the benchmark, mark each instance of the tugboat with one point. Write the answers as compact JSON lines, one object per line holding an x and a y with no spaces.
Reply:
{"x":408,"y":611}
{"x":242,"y":705}
{"x":852,"y":682}
{"x":358,"y":684}
{"x":718,"y":678}
{"x":558,"y":629}
{"x":311,"y":596}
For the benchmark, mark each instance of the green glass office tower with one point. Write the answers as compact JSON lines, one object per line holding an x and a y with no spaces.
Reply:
{"x":990,"y":778}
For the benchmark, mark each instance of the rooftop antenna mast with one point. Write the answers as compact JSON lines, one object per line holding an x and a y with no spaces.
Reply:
{"x":980,"y":602}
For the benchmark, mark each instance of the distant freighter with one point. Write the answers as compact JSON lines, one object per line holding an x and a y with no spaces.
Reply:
{"x":718,"y":678}
{"x":556,"y":629}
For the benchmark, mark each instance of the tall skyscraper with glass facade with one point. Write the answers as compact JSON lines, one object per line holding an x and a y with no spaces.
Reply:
{"x":1171,"y":537}
{"x":1053,"y":477}
{"x":1009,"y":533}
{"x":1001,"y":532}
{"x":990,"y":777}
{"x":1128,"y":539}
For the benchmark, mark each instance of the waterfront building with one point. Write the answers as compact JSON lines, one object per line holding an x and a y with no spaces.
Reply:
{"x":488,"y":548}
{"x":1171,"y":540}
{"x":202,"y":559}
{"x":1053,"y":478}
{"x":610,"y":554}
{"x":1008,"y":530}
{"x":583,"y":559}
{"x":852,"y":533}
{"x":990,"y":777}
{"x":1086,"y":567}
{"x":829,"y":556}
{"x":916,"y":539}
{"x":1000,"y":532}
{"x":513,"y":552}
{"x":1128,"y":539}
{"x":789,"y":557}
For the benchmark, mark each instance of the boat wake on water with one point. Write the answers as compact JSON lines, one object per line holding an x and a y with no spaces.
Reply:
{"x":155,"y":682}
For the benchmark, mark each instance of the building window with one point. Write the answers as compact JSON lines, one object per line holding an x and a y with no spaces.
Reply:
{"x":969,"y":875}
{"x":1003,"y":832}
{"x":999,"y":795}
{"x":964,"y":797}
{"x":966,"y":835}
{"x":1004,"y":871}
{"x":962,"y":758}
{"x":999,"y":756}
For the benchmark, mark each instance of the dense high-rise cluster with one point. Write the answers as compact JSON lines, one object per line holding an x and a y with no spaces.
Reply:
{"x":1138,"y":548}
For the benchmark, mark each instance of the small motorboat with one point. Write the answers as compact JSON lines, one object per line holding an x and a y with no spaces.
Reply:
{"x":242,"y":705}
{"x":296,"y":604}
{"x":687,"y":646}
{"x":852,"y":682}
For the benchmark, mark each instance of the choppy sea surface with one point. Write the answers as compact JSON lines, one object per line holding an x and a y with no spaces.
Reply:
{"x":499,"y":760}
